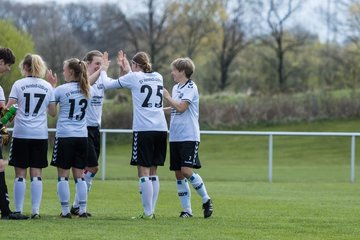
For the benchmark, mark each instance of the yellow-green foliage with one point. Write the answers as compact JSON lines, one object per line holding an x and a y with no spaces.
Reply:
{"x":20,"y":43}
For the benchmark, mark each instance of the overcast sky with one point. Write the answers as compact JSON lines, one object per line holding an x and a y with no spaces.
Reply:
{"x":126,"y":5}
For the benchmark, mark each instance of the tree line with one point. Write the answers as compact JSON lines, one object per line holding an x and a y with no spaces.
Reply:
{"x":250,"y":46}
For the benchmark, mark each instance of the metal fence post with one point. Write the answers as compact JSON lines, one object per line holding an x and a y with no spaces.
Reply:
{"x":270,"y":156}
{"x":352,"y":164}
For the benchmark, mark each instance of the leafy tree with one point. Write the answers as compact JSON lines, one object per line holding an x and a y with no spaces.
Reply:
{"x":233,"y":40}
{"x":50,"y":31}
{"x":281,"y":41}
{"x":340,"y":62}
{"x":149,"y":31}
{"x":20,"y":43}
{"x":349,"y":24}
{"x":55,"y":41}
{"x":83,"y":21}
{"x":195,"y":24}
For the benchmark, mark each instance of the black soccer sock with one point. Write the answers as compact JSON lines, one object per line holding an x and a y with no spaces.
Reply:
{"x":4,"y":199}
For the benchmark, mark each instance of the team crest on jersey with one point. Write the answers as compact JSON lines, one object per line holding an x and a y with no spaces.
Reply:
{"x":100,"y":86}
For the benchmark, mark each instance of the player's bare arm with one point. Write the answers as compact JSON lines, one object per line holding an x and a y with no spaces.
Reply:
{"x":104,"y":67}
{"x":11,"y":102}
{"x":179,"y":106}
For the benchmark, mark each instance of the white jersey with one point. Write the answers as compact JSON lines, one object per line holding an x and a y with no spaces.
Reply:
{"x":94,"y":112}
{"x":73,"y":106}
{"x":33,"y":95}
{"x":2,"y":95}
{"x":185,"y":126}
{"x":147,"y":96}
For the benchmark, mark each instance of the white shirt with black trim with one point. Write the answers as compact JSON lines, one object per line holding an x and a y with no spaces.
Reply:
{"x":147,"y":97}
{"x":94,"y":112}
{"x":2,"y":95}
{"x":73,"y":108}
{"x":33,"y":95}
{"x":185,"y":126}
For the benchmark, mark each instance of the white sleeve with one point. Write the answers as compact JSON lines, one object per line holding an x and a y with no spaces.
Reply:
{"x":2,"y":95}
{"x":109,"y":83}
{"x":189,"y":94}
{"x":57,"y":92}
{"x":14,"y":92}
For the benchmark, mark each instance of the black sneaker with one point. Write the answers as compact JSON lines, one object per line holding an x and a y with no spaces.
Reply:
{"x":208,"y":208}
{"x":74,"y":210}
{"x":15,"y":216}
{"x":35,"y":216}
{"x":185,"y":215}
{"x":83,"y":215}
{"x":68,"y":215}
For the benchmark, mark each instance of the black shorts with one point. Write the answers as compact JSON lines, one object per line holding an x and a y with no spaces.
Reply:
{"x":184,"y":154}
{"x":93,"y":147}
{"x":149,"y":148}
{"x":25,"y":153}
{"x":70,"y":152}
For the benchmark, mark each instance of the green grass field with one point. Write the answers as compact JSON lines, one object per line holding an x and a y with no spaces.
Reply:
{"x":311,"y":196}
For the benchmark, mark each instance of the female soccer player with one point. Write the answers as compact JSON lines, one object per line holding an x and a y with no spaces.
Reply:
{"x":185,"y":136}
{"x":95,"y":61}
{"x":7,"y":58}
{"x":70,"y":148}
{"x":149,"y":124}
{"x":29,"y":146}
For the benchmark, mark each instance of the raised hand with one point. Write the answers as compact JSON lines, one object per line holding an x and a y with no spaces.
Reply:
{"x":52,"y":78}
{"x":105,"y":61}
{"x":123,"y":63}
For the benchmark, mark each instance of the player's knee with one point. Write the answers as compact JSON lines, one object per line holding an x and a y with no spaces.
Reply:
{"x":186,"y":172}
{"x":3,"y":164}
{"x":93,"y":170}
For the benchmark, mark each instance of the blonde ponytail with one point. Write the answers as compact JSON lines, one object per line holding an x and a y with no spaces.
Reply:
{"x":33,"y":64}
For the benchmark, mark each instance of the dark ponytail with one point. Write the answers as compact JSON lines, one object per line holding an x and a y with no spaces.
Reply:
{"x":143,"y":60}
{"x":80,"y":74}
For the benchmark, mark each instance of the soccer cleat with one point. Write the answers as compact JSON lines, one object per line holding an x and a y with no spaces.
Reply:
{"x":15,"y":216}
{"x":208,"y":208}
{"x":185,"y":215}
{"x":143,"y":216}
{"x":74,"y":210}
{"x":68,"y":215}
{"x":83,"y":215}
{"x":35,"y":216}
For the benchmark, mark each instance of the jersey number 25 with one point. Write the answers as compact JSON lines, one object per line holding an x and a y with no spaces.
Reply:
{"x":146,"y":102}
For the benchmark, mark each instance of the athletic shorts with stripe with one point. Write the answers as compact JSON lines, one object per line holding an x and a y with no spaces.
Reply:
{"x":184,"y":154}
{"x":70,"y":152}
{"x":149,"y":148}
{"x":93,"y":147}
{"x":25,"y":153}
